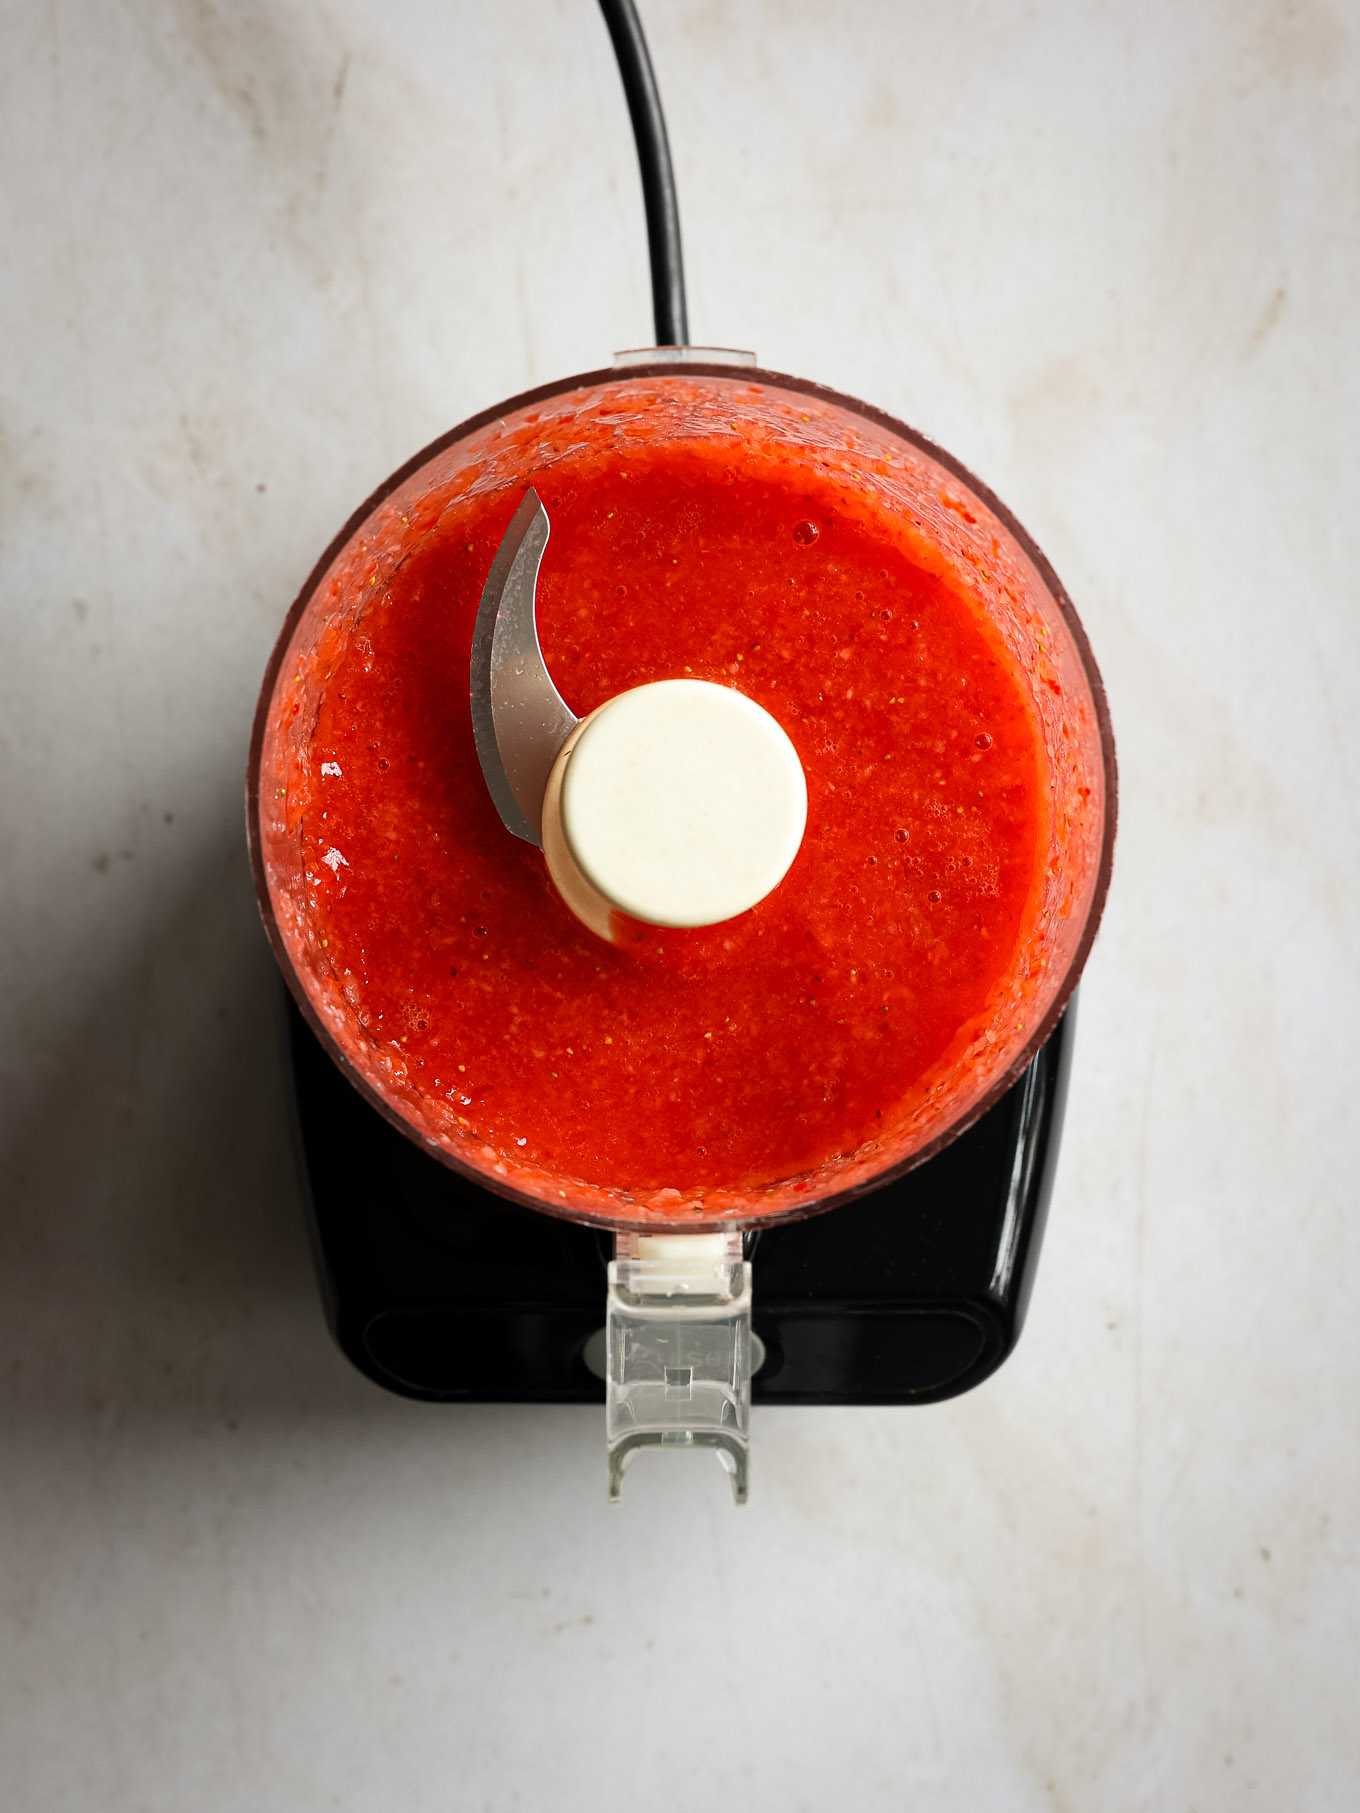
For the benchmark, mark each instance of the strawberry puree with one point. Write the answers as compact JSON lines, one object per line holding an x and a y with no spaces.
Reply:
{"x":680,"y":1071}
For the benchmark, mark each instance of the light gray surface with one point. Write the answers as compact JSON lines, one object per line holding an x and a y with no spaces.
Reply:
{"x":257,"y":253}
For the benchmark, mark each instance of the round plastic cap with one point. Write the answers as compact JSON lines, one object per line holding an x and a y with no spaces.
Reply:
{"x":683,"y":803}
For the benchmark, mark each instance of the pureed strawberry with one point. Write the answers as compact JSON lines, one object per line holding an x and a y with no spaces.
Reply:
{"x":947,"y":720}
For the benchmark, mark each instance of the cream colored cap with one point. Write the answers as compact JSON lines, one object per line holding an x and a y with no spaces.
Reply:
{"x":682,"y":803}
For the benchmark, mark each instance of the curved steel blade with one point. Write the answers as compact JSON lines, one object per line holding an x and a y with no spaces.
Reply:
{"x":519,"y":718}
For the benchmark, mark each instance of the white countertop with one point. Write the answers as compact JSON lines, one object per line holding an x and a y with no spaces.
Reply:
{"x":258,"y":253}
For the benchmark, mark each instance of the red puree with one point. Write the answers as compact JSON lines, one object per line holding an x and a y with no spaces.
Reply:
{"x":712,"y":1065}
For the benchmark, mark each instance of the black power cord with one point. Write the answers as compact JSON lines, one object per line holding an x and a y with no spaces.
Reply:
{"x":658,"y":179}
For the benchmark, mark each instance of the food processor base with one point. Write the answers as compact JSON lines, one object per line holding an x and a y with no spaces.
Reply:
{"x":437,"y":1289}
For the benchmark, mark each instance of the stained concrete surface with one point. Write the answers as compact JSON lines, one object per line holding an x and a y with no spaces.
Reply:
{"x":257,"y":253}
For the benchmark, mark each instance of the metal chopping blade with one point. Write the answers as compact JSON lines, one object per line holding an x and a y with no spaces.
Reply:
{"x":519,"y":719}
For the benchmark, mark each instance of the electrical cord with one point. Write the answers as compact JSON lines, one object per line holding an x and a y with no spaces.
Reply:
{"x":658,"y":179}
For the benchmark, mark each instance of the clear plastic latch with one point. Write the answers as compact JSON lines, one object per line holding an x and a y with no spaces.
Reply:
{"x":678,"y":1351}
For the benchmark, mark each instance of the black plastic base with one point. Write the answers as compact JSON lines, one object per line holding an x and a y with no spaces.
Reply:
{"x":439,"y":1290}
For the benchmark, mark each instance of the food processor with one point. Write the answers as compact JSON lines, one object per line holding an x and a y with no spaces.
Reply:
{"x":676,"y":686}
